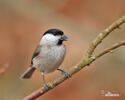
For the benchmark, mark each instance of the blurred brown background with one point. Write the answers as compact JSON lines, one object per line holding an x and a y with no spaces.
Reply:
{"x":22,"y":23}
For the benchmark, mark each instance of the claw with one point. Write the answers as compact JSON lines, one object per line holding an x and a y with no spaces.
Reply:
{"x":45,"y":85}
{"x":64,"y":72}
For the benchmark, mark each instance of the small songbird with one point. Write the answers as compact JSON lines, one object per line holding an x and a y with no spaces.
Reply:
{"x":48,"y":55}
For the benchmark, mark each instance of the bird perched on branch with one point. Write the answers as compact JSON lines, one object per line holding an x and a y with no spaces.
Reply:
{"x":48,"y":55}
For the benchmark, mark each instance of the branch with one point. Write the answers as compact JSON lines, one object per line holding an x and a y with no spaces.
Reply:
{"x":104,"y":34}
{"x":109,"y":50}
{"x":86,"y":60}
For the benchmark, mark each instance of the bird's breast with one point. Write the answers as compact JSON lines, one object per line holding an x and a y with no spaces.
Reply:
{"x":50,"y":58}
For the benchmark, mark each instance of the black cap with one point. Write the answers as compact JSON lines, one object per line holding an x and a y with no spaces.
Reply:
{"x":54,"y":32}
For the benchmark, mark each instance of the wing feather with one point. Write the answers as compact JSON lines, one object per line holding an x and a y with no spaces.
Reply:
{"x":36,"y":53}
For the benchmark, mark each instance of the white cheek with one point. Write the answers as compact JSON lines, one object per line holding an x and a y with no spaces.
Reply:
{"x":48,"y":39}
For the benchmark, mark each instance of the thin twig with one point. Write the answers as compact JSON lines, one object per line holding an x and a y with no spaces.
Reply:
{"x":110,"y":50}
{"x":104,"y":34}
{"x":87,"y":60}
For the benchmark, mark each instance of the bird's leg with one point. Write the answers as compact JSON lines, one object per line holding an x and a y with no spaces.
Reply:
{"x":44,"y":82}
{"x":64,"y":72}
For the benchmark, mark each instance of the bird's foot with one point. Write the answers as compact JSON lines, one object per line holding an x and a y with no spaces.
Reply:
{"x":45,"y":85}
{"x":64,"y":72}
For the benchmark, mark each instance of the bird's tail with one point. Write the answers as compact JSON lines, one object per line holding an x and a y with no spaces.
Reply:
{"x":28,"y":73}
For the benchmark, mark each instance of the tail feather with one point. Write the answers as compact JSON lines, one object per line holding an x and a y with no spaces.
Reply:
{"x":28,"y":73}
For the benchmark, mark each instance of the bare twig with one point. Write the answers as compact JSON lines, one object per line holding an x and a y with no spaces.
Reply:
{"x":86,"y":60}
{"x":104,"y":34}
{"x":109,"y":50}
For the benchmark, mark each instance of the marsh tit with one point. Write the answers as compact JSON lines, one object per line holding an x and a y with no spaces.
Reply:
{"x":48,"y":55}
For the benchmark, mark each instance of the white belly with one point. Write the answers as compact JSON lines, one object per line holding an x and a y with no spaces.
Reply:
{"x":49,"y":59}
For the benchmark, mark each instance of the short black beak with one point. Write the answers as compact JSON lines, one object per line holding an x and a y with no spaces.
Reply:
{"x":64,"y":38}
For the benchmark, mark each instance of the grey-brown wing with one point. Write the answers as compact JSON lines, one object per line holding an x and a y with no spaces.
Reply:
{"x":36,"y":53}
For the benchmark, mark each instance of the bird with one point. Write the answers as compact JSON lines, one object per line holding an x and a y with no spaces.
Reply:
{"x":48,"y":55}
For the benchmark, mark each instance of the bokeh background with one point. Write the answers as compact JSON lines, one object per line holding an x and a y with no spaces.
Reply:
{"x":23,"y":22}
